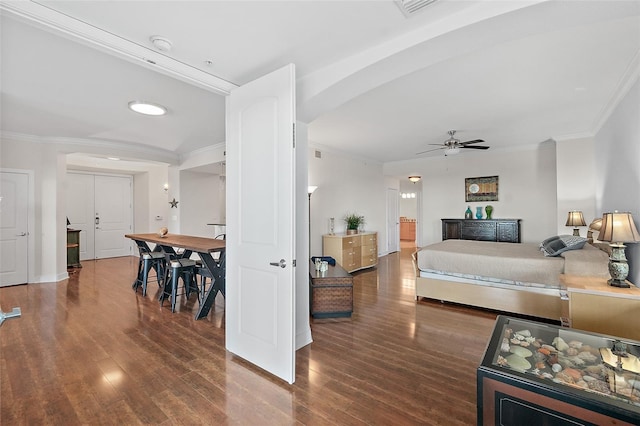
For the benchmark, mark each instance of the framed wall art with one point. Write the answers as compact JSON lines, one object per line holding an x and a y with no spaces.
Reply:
{"x":481,"y":188}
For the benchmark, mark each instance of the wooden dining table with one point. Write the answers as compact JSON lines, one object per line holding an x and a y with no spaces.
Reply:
{"x":204,"y":247}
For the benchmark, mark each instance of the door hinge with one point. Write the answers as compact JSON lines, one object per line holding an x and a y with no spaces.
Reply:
{"x":294,"y":263}
{"x":294,"y":135}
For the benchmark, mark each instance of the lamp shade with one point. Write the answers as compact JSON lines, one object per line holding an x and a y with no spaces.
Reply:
{"x":618,"y":228}
{"x":596,"y":225}
{"x":575,"y":218}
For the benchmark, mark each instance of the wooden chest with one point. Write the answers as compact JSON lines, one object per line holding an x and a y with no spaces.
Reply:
{"x":331,"y":294}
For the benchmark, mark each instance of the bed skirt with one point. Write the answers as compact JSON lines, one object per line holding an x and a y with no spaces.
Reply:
{"x":551,"y":303}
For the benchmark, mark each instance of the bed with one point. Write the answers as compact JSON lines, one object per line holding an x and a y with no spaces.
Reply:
{"x":509,"y":277}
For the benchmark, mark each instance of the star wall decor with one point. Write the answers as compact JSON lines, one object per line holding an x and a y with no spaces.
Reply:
{"x":174,"y":203}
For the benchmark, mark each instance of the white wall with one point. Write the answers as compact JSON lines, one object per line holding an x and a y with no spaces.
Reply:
{"x":527,"y":188}
{"x":617,"y":149}
{"x":345,"y":185}
{"x":201,"y":193}
{"x":576,"y":185}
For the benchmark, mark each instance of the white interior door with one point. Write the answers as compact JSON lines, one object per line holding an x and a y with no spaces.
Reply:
{"x":393,"y":221}
{"x":14,"y":190}
{"x":260,"y":292}
{"x":100,"y":206}
{"x":113,"y":216}
{"x":80,"y":211}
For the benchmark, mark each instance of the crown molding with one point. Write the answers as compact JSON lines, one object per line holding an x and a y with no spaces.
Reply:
{"x":627,"y":81}
{"x":112,"y":44}
{"x":69,"y":145}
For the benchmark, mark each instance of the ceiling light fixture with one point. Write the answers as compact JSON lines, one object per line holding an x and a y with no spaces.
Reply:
{"x":113,"y":158}
{"x":147,"y":108}
{"x":414,"y":179}
{"x":452,"y":150}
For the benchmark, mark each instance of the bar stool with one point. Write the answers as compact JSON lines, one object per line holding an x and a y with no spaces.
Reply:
{"x":179,"y":268}
{"x":149,"y":260}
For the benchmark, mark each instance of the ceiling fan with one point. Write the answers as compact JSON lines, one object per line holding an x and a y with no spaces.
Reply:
{"x":452,"y":145}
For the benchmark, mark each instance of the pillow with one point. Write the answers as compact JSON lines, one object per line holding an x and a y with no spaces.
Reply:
{"x":555,"y":245}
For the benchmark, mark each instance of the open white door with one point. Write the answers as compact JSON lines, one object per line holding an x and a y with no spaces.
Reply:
{"x":260,"y":292}
{"x":14,"y":188}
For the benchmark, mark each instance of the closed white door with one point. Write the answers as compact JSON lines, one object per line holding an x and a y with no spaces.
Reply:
{"x":260,"y":292}
{"x":100,"y":206}
{"x":113,"y":216}
{"x":393,"y":221}
{"x":80,"y":211}
{"x":14,"y":189}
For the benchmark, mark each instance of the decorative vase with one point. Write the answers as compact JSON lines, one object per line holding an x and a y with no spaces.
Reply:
{"x":489,"y":210}
{"x":468,"y":214}
{"x":479,"y":212}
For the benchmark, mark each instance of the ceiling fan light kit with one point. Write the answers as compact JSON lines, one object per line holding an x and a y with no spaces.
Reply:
{"x":452,"y":145}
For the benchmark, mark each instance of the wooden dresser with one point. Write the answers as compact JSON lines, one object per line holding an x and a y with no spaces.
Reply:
{"x":500,"y":230}
{"x":352,"y":252}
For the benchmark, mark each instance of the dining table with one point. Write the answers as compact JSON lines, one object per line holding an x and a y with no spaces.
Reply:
{"x":204,"y":247}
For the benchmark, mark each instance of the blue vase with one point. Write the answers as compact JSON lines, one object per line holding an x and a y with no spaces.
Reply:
{"x":479,"y":212}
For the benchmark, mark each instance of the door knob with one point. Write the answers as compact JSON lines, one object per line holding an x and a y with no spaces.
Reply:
{"x":282,"y":263}
{"x":22,"y":234}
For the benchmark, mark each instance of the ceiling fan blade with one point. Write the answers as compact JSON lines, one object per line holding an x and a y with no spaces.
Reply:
{"x":475,"y":147}
{"x":430,"y":150}
{"x":470,"y":142}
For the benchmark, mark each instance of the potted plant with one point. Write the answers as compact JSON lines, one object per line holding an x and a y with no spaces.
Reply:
{"x":353,"y":221}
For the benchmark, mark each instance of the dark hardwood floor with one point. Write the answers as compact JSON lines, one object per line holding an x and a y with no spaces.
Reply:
{"x":88,"y":350}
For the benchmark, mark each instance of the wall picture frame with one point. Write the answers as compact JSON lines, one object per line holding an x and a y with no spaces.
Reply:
{"x":483,"y":188}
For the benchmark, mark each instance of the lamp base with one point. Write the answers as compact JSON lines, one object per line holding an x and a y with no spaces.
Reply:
{"x":618,"y":283}
{"x":576,"y":232}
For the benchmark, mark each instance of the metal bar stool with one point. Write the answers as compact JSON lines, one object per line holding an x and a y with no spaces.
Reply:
{"x":179,"y":268}
{"x":149,"y":260}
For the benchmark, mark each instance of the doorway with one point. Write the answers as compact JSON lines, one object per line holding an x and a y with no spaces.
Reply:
{"x":101,"y":208}
{"x":409,"y":202}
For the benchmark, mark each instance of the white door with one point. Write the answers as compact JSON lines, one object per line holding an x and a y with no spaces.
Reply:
{"x":14,"y":190}
{"x":113,"y":216}
{"x":393,"y":221}
{"x":260,"y":293}
{"x":80,"y":211}
{"x":100,"y":206}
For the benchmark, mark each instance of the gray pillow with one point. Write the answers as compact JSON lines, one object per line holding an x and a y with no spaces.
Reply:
{"x":555,"y":245}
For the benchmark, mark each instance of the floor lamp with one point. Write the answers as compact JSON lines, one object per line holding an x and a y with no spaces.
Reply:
{"x":310,"y":190}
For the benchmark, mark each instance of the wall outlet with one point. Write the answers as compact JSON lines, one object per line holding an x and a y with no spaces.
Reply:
{"x":158,"y":217}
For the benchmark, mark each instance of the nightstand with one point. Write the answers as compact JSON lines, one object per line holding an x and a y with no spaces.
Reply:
{"x":596,"y":306}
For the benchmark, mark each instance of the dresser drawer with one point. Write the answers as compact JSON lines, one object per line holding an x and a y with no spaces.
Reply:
{"x":350,"y":242}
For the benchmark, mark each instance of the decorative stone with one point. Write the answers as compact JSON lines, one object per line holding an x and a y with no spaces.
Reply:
{"x":518,"y":363}
{"x":560,"y":344}
{"x":556,"y":368}
{"x":519,"y":350}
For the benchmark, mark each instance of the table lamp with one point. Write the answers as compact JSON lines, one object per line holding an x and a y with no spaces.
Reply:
{"x":617,"y":229}
{"x":575,"y":219}
{"x":596,"y":225}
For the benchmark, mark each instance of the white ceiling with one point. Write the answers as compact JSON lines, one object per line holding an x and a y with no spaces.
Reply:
{"x":371,"y":82}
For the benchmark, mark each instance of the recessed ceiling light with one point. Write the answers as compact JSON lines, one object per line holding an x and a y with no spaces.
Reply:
{"x":147,"y":108}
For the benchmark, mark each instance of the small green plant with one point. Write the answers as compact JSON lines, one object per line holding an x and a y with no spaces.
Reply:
{"x":354,"y":220}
